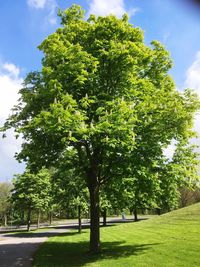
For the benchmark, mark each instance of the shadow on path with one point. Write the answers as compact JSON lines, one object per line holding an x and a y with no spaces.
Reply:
{"x":12,"y":255}
{"x":53,"y":231}
{"x":39,"y":234}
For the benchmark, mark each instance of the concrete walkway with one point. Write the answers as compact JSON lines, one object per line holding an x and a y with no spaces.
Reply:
{"x":17,"y":250}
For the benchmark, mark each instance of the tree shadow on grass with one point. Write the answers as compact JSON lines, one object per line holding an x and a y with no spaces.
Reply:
{"x":53,"y":231}
{"x":71,"y":254}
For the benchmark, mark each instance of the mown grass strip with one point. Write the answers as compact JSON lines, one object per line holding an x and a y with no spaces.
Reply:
{"x":172,"y":240}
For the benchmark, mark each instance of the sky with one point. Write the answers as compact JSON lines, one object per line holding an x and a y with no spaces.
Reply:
{"x":26,"y":23}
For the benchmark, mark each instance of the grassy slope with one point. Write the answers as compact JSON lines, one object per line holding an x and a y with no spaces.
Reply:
{"x":171,"y":240}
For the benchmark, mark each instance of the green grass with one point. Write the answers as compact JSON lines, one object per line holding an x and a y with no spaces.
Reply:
{"x":171,"y":240}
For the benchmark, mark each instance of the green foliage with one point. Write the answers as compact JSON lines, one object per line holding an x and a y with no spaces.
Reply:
{"x":186,"y":161}
{"x":70,"y":191}
{"x":5,"y":193}
{"x":69,"y":187}
{"x":32,"y":191}
{"x":182,"y":171}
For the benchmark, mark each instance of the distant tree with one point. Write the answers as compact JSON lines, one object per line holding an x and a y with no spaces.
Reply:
{"x":104,"y":94}
{"x":168,"y":196}
{"x":186,"y":164}
{"x":141,"y":191}
{"x":32,"y":192}
{"x":196,"y":195}
{"x":5,"y":204}
{"x":105,"y":203}
{"x":189,"y":196}
{"x":181,"y":172}
{"x":135,"y":193}
{"x":70,"y":189}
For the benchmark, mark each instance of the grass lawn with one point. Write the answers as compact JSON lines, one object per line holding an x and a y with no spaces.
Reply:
{"x":171,"y":240}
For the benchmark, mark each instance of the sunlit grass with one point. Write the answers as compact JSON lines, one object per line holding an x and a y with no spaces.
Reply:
{"x":171,"y":240}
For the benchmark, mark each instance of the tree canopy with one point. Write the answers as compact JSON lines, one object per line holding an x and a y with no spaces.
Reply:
{"x":5,"y":204}
{"x":32,"y":192}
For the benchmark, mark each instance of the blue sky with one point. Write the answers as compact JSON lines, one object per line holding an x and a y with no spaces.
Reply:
{"x":25,"y":23}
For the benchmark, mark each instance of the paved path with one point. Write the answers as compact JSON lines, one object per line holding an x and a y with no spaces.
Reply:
{"x":18,"y":250}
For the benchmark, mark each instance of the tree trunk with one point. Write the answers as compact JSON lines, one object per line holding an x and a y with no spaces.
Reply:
{"x":117,"y":212}
{"x":94,"y":216}
{"x":22,"y":217}
{"x":38,"y":219}
{"x":158,"y":211}
{"x":79,"y":219}
{"x":5,"y":220}
{"x":67,"y":214}
{"x":29,"y":219}
{"x":135,"y":214}
{"x":50,"y":217}
{"x":130,"y":211}
{"x":104,"y":216}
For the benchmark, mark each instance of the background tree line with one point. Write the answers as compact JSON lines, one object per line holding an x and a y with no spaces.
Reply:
{"x":61,"y":193}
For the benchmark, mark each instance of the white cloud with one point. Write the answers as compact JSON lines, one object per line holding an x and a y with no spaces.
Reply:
{"x":193,"y":74}
{"x":168,"y":152}
{"x":9,"y":165}
{"x":11,"y":69}
{"x":166,"y":37}
{"x":52,"y":16}
{"x":9,"y":87}
{"x":105,"y":7}
{"x":37,"y":3}
{"x":49,"y":5}
{"x":10,"y":83}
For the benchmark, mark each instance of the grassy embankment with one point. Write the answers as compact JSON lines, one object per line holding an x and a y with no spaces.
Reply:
{"x":171,"y":240}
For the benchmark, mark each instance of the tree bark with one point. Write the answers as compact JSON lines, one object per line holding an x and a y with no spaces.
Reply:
{"x":5,"y":220}
{"x":94,"y":216}
{"x":135,"y":214}
{"x":158,"y":211}
{"x":22,"y":217}
{"x":130,"y":211}
{"x":79,"y":219}
{"x":38,"y":219}
{"x":93,"y":183}
{"x":67,"y":214}
{"x":29,"y":219}
{"x":50,"y":217}
{"x":104,"y":217}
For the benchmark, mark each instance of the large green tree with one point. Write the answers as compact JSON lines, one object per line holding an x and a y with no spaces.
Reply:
{"x":105,"y":95}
